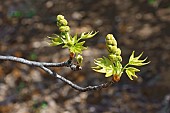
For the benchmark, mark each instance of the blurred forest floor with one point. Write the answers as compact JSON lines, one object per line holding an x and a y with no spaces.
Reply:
{"x":141,"y":25}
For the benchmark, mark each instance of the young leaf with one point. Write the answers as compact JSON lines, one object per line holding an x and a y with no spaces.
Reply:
{"x":88,"y":35}
{"x":118,"y":68}
{"x":132,"y":56}
{"x":109,"y":72}
{"x":104,"y":65}
{"x":77,"y":48}
{"x":74,"y":39}
{"x":135,"y":60}
{"x":55,"y":40}
{"x":130,"y":71}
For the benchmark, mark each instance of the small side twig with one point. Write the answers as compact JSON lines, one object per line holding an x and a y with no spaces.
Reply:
{"x":44,"y":65}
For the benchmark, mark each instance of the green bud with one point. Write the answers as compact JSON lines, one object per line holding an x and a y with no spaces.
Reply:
{"x":109,"y":37}
{"x":111,"y":49}
{"x":60,"y":17}
{"x":118,"y":52}
{"x":62,"y":22}
{"x":119,"y":58}
{"x":64,"y":28}
{"x":112,"y":57}
{"x":79,"y":59}
{"x":111,"y":40}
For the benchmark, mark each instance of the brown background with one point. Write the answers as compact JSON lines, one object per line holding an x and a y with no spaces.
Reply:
{"x":141,"y":25}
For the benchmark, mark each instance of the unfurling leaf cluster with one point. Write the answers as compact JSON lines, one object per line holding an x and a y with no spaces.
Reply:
{"x":134,"y":61}
{"x":112,"y":66}
{"x":73,"y":43}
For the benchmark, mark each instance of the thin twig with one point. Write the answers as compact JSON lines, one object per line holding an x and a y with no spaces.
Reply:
{"x":88,"y":88}
{"x":34,"y":63}
{"x":44,"y":65}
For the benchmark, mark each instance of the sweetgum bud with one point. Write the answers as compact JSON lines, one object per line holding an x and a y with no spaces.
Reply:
{"x":64,"y":28}
{"x":62,"y":22}
{"x":119,"y":58}
{"x":111,"y":49}
{"x":111,"y":40}
{"x":118,"y":52}
{"x":112,"y":57}
{"x":109,"y":37}
{"x":60,"y":17}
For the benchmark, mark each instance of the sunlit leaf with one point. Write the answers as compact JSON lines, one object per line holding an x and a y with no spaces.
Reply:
{"x":74,"y":39}
{"x":138,"y":63}
{"x":132,"y":56}
{"x":104,"y":65}
{"x":87,"y":35}
{"x":77,"y":48}
{"x":129,"y":74}
{"x":109,"y":72}
{"x":102,"y":70}
{"x":118,"y":67}
{"x":135,"y":60}
{"x":56,"y":42}
{"x":130,"y":71}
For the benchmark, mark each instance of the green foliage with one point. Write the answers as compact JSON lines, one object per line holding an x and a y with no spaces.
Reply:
{"x":104,"y":65}
{"x":112,"y":66}
{"x":134,"y":61}
{"x":73,"y":43}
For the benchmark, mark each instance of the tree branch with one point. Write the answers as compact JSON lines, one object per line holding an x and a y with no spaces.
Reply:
{"x":44,"y":65}
{"x":34,"y":63}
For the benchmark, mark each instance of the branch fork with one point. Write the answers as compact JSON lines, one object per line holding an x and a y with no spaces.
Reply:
{"x":44,"y":66}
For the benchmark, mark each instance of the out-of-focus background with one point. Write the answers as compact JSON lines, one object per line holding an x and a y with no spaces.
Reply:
{"x":141,"y":25}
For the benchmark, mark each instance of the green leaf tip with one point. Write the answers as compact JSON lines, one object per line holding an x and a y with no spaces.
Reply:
{"x":88,"y":35}
{"x":130,"y":71}
{"x":135,"y":60}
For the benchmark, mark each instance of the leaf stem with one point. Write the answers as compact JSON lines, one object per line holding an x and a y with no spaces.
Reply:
{"x":125,"y":67}
{"x":67,"y":36}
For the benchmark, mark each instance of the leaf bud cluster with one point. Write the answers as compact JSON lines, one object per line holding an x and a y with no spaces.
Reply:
{"x":111,"y":45}
{"x":62,"y":24}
